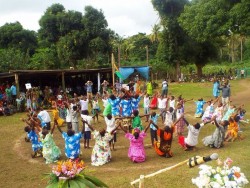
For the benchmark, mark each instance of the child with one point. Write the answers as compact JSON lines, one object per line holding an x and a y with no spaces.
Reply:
{"x":192,"y":139}
{"x":136,"y":151}
{"x":179,"y":111}
{"x":75,"y":115}
{"x":209,"y":111}
{"x":162,"y":104}
{"x":153,"y":129}
{"x":232,"y":130}
{"x":199,"y":108}
{"x":153,"y":103}
{"x":169,"y":117}
{"x":101,"y":153}
{"x":111,"y":124}
{"x":95,"y":108}
{"x":218,"y":112}
{"x":136,"y":121}
{"x":32,"y":136}
{"x":72,"y":142}
{"x":172,"y":102}
{"x":87,"y":131}
{"x":51,"y":153}
{"x":217,"y":138}
{"x":146,"y":102}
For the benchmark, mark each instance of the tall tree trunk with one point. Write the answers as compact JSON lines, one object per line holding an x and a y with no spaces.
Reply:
{"x":177,"y":70}
{"x":199,"y":70}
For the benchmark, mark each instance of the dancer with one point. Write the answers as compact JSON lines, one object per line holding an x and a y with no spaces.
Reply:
{"x":217,"y":138}
{"x":51,"y":152}
{"x":136,"y":151}
{"x":199,"y":108}
{"x":72,"y":142}
{"x":163,"y":147}
{"x":192,"y":138}
{"x":101,"y":153}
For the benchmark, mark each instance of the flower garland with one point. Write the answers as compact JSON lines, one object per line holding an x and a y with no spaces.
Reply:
{"x":220,"y":177}
{"x":70,"y":174}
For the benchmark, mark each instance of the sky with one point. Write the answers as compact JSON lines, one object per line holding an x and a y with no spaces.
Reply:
{"x":125,"y":17}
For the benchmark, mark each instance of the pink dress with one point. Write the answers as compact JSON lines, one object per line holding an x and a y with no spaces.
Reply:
{"x":136,"y":151}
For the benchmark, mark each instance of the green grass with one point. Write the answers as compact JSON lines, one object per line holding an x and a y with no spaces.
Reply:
{"x":19,"y":170}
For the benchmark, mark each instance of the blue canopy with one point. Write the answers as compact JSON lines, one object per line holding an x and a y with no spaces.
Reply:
{"x":127,"y":71}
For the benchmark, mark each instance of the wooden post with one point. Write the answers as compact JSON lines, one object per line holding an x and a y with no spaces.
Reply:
{"x":141,"y":183}
{"x":63,"y":82}
{"x":113,"y":68}
{"x":147,"y":54}
{"x":17,"y":84}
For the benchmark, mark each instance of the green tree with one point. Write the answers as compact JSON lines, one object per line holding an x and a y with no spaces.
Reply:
{"x":173,"y":35}
{"x":12,"y":35}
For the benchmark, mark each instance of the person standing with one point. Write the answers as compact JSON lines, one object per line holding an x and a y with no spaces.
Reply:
{"x":44,"y":117}
{"x":164,"y":87}
{"x":13,"y":93}
{"x":226,"y":93}
{"x":216,"y":85}
{"x":89,"y":86}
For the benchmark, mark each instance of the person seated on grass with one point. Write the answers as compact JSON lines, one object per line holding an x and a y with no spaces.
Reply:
{"x":233,"y":129}
{"x":217,"y":138}
{"x":110,"y":123}
{"x":72,"y":142}
{"x":51,"y":152}
{"x":192,"y":138}
{"x":36,"y":144}
{"x":101,"y":153}
{"x":163,"y":146}
{"x":136,"y":151}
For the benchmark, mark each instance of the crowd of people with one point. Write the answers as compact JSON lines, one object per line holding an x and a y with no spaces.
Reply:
{"x":164,"y":118}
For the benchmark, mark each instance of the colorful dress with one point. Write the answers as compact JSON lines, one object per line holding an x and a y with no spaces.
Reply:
{"x":136,"y":123}
{"x":136,"y":151}
{"x":208,"y":113}
{"x":216,"y":90}
{"x":149,"y":89}
{"x":101,"y":153}
{"x":72,"y":145}
{"x":199,"y":108}
{"x":218,"y":112}
{"x":216,"y":139}
{"x":135,"y":103}
{"x":181,"y":124}
{"x":51,"y":152}
{"x":36,"y":145}
{"x":126,"y":108}
{"x":115,"y":106}
{"x":229,"y":112}
{"x":163,"y":147}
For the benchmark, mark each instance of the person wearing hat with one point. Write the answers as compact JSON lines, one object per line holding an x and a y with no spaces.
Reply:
{"x":89,"y":86}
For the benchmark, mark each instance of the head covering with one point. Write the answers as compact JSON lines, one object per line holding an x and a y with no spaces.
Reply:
{"x":137,"y":130}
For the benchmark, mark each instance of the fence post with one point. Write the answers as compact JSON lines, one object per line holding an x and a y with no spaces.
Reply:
{"x":141,"y":183}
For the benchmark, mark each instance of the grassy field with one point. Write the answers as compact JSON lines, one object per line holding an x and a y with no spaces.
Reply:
{"x":18,"y":169}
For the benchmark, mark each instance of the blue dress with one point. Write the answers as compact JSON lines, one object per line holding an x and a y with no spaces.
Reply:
{"x":115,"y":106}
{"x":36,"y":145}
{"x":199,"y":108}
{"x":135,"y":103}
{"x":126,"y":108}
{"x":216,"y":91}
{"x":72,"y":145}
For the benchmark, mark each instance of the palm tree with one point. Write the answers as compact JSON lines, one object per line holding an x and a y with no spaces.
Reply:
{"x":154,"y":37}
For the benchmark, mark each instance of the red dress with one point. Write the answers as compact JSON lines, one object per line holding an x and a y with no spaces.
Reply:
{"x":153,"y":104}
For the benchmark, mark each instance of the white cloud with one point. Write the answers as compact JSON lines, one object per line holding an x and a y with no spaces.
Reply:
{"x":125,"y":17}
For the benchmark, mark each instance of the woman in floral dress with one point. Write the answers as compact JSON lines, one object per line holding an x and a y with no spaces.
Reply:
{"x":51,"y":152}
{"x":101,"y":152}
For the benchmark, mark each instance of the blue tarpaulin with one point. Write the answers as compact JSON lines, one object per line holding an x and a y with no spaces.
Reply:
{"x":127,"y":71}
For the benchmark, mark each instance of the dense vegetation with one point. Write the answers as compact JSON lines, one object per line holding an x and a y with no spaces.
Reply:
{"x":190,"y":33}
